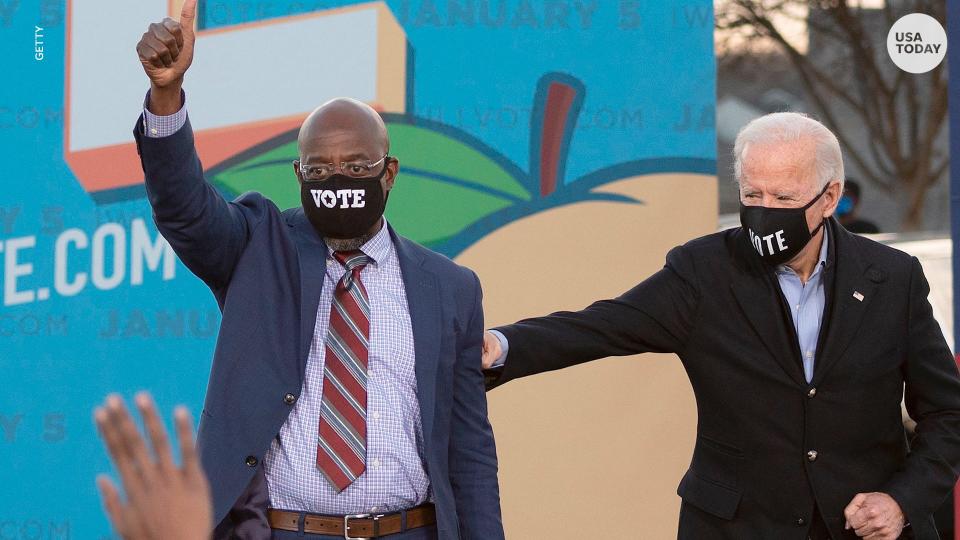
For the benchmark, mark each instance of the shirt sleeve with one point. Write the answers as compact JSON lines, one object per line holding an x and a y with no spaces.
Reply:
{"x":504,"y":348}
{"x":162,"y":126}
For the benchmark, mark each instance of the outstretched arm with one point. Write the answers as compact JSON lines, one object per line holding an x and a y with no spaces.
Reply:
{"x":207,"y":232}
{"x":655,"y":316}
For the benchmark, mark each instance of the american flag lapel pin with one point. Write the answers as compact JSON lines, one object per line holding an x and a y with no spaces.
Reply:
{"x":858,"y":295}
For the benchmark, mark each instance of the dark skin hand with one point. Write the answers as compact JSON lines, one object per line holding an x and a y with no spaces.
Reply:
{"x":342,"y":130}
{"x":166,"y":52}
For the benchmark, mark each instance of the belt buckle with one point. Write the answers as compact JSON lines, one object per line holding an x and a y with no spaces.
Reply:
{"x":346,"y":525}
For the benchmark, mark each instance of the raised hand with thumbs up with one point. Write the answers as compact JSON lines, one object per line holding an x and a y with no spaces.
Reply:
{"x":166,"y":52}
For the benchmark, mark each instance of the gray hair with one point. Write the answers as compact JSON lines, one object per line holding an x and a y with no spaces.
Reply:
{"x":792,"y":126}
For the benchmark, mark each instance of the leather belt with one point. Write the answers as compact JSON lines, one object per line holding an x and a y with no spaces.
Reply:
{"x":353,"y":526}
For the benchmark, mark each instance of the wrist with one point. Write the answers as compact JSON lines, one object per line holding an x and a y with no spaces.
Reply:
{"x":165,"y":100}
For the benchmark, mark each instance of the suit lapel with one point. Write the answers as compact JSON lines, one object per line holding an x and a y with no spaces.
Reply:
{"x":423,"y":301}
{"x":854,"y":288}
{"x":760,"y":302}
{"x":313,"y":269}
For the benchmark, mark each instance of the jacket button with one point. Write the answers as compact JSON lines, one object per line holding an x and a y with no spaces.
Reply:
{"x":812,"y":392}
{"x":251,"y":461}
{"x":801,"y":522}
{"x":812,"y":455}
{"x":289,"y":399}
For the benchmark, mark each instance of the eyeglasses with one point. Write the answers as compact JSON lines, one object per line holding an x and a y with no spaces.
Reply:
{"x":353,"y":169}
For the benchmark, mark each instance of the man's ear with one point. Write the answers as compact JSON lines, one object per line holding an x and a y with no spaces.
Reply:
{"x":296,"y":170}
{"x":393,"y":167}
{"x":832,"y":197}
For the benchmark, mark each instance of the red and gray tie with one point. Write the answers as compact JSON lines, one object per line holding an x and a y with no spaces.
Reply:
{"x":342,"y":441}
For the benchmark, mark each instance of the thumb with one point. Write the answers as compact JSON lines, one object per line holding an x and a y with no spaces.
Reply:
{"x":188,"y":17}
{"x":110,"y":497}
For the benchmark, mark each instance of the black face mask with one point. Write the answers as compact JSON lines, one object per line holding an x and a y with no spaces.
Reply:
{"x":778,"y":234}
{"x":344,"y":207}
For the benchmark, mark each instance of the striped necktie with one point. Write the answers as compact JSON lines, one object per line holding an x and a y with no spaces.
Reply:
{"x":342,"y":441}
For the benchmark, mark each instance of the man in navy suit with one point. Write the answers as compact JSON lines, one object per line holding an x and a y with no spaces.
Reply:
{"x":346,"y":397}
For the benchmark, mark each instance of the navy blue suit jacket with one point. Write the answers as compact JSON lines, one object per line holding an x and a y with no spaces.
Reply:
{"x":266,"y":269}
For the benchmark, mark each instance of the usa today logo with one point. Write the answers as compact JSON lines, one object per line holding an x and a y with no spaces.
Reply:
{"x":917,"y":43}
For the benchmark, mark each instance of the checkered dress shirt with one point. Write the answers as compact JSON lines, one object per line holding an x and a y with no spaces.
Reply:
{"x":395,"y":478}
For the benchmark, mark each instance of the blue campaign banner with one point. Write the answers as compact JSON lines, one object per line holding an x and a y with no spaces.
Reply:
{"x":498,"y":110}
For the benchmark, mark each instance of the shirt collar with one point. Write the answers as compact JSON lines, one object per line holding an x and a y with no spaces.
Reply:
{"x":377,"y":248}
{"x":824,"y":250}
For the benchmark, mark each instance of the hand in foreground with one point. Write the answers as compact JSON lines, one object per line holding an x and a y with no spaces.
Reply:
{"x":875,"y":516}
{"x":163,"y":501}
{"x":491,"y":350}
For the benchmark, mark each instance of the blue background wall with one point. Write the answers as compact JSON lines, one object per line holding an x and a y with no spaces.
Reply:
{"x":648,"y":70}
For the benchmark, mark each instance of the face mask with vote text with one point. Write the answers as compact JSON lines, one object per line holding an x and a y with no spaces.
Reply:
{"x":778,"y":234}
{"x":343,"y":207}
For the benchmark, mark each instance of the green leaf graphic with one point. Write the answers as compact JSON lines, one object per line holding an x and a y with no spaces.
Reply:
{"x":270,"y":173}
{"x":445,"y":183}
{"x":425,"y":149}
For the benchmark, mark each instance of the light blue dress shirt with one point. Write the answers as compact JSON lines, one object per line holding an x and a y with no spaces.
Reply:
{"x":806,"y":301}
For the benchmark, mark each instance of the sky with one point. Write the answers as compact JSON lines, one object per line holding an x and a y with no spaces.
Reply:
{"x":792,"y":24}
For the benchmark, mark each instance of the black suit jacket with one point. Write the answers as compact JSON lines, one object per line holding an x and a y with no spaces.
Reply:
{"x":718,"y":307}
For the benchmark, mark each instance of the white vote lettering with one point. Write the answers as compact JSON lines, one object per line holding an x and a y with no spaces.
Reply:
{"x":348,"y":198}
{"x":328,"y":198}
{"x":769,"y":240}
{"x":781,"y":242}
{"x":755,"y":242}
{"x":358,"y":201}
{"x":324,"y":197}
{"x":343,"y":194}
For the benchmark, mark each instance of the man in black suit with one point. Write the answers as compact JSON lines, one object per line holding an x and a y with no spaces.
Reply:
{"x":799,"y":339}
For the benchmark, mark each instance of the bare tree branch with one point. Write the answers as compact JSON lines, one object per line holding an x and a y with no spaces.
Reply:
{"x":847,"y":73}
